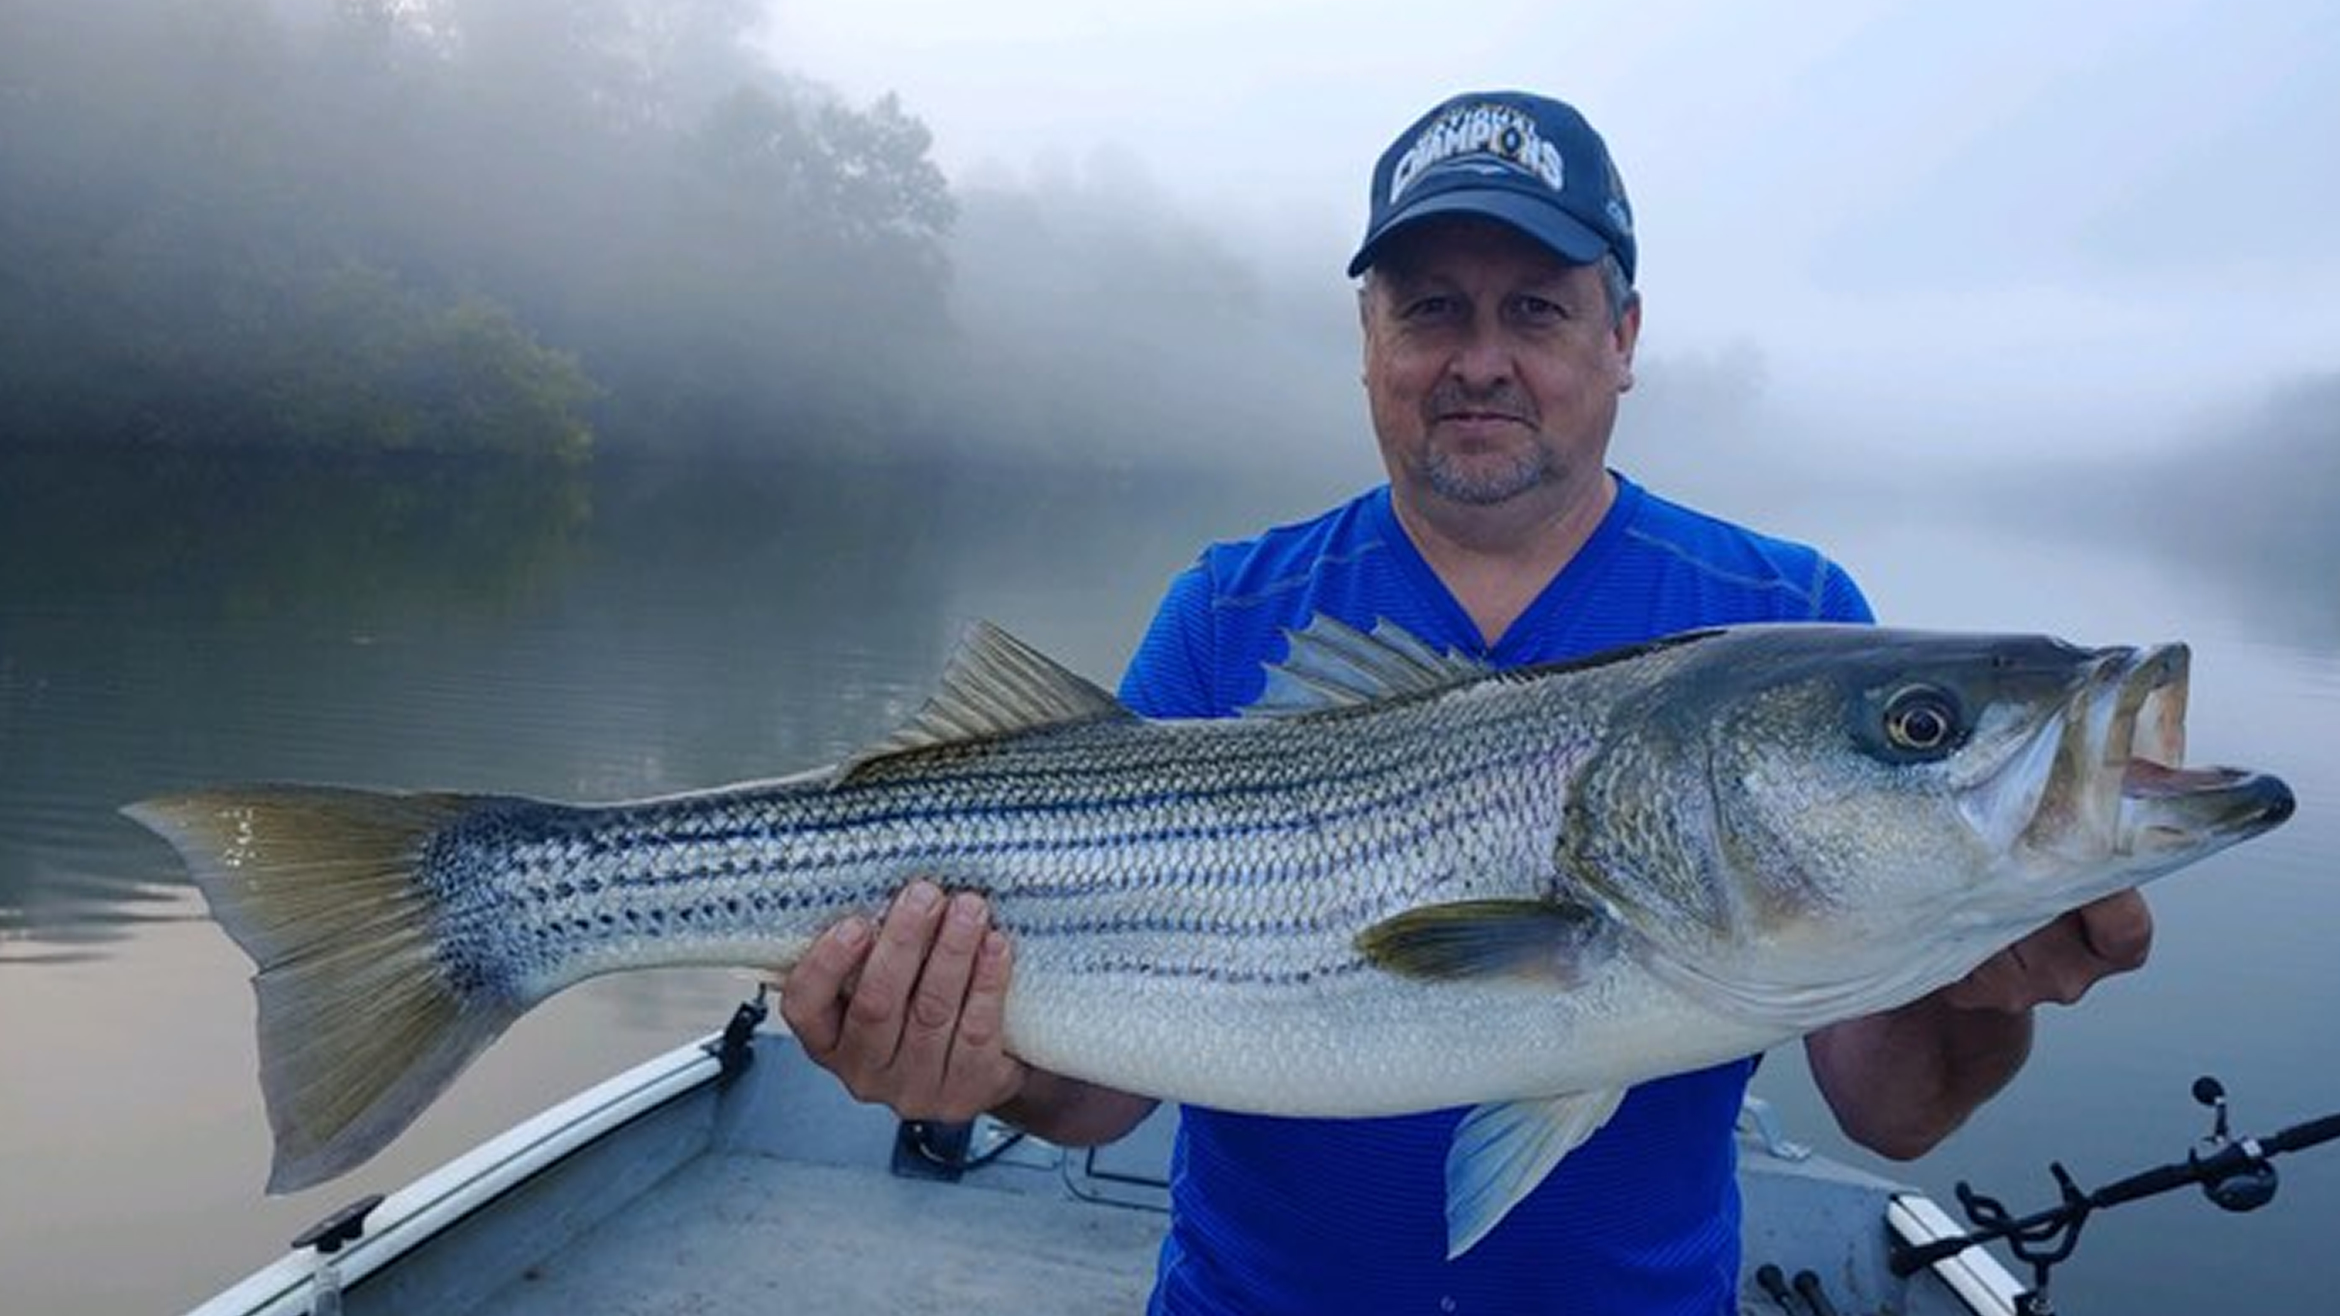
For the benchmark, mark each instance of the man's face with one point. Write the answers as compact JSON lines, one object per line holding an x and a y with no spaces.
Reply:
{"x":1492,"y":366}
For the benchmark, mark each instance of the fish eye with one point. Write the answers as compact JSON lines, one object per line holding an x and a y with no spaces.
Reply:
{"x":1922,"y":720}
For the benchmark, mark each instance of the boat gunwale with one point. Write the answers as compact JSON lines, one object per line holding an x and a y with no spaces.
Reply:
{"x":424,"y":1209}
{"x":434,"y":1205}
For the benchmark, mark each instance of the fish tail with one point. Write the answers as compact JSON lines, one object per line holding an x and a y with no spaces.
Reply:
{"x":361,"y":1021}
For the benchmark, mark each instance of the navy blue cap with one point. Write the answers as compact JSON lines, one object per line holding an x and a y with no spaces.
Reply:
{"x":1528,"y":161}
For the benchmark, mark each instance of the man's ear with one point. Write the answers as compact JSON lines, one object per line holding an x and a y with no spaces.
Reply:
{"x":1628,"y":335}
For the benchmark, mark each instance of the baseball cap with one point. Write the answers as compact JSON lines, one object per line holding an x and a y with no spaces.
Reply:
{"x":1528,"y":161}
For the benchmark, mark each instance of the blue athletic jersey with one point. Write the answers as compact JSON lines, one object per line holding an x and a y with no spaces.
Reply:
{"x":1347,"y":1216}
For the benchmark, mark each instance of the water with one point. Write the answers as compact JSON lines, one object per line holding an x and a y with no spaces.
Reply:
{"x":641,"y":629}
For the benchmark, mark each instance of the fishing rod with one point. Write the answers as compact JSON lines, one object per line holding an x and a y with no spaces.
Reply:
{"x":2235,"y":1173}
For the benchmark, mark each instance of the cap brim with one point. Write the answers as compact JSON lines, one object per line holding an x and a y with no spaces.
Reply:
{"x":1533,"y":216}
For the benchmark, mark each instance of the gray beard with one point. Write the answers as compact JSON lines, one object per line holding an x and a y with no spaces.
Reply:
{"x":1476,"y":485}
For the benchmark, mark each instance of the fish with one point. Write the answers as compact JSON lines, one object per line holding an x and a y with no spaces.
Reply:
{"x":1400,"y":881}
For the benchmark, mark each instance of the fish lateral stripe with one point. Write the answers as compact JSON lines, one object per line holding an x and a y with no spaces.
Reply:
{"x":919,"y":837}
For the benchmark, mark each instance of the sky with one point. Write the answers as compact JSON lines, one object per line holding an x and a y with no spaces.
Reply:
{"x":1975,"y":223}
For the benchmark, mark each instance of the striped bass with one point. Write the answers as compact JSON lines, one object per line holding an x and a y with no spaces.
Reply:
{"x":1401,"y":882}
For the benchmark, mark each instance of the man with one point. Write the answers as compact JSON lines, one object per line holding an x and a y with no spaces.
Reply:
{"x":1499,"y":328}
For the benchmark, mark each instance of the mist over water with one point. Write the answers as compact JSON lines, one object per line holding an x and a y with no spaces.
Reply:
{"x":600,"y":399}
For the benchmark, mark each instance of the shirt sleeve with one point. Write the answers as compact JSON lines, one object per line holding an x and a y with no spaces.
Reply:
{"x":1172,"y":673}
{"x":1840,"y":598}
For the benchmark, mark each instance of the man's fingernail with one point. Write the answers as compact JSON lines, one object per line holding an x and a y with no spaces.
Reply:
{"x":966,"y":910}
{"x":921,"y":897}
{"x":850,"y":933}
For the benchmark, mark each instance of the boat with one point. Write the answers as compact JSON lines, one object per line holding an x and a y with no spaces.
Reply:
{"x":732,"y":1175}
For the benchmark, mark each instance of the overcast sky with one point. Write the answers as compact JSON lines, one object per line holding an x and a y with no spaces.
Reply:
{"x":2100,"y":215}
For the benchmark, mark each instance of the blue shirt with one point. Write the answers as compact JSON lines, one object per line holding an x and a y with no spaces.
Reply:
{"x":1286,"y":1215}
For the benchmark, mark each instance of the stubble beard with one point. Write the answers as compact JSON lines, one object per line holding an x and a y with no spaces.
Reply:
{"x":1491,"y":475}
{"x":1488,"y":480}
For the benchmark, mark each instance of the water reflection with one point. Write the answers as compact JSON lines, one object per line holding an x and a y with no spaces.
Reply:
{"x":243,"y":536}
{"x":158,"y":609}
{"x":645,"y":628}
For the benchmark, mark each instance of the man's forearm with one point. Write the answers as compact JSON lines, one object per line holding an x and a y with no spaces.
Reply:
{"x":1902,"y":1081}
{"x":1071,"y":1113}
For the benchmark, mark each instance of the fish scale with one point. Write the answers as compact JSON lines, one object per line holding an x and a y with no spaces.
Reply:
{"x":1071,"y":834}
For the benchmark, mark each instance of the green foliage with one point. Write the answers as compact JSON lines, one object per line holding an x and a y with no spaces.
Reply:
{"x":370,"y":367}
{"x":152,"y":346}
{"x":507,"y":226}
{"x":815,"y":172}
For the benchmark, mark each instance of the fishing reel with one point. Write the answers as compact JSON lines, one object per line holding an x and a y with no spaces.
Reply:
{"x":2251,"y":1181}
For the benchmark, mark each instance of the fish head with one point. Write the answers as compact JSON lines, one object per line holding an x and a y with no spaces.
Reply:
{"x":1813,"y":806}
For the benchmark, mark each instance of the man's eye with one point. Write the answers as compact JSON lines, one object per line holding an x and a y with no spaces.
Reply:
{"x":1539,"y":310}
{"x":1429,"y":308}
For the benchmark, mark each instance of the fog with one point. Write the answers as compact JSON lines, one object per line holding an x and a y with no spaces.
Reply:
{"x":1962,"y":227}
{"x":1879,"y":242}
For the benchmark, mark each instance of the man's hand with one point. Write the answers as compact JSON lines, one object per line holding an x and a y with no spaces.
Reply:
{"x":910,"y":1013}
{"x":2061,"y":961}
{"x":1901,"y":1081}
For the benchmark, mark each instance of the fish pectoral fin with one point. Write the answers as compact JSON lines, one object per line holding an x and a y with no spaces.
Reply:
{"x":1550,"y":940}
{"x":1330,"y":664}
{"x":996,"y":685}
{"x":1502,"y":1150}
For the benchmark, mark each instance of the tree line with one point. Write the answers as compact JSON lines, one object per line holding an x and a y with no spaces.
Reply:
{"x":484,"y":226}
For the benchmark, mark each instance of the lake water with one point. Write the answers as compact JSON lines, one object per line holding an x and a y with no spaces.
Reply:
{"x":641,"y":629}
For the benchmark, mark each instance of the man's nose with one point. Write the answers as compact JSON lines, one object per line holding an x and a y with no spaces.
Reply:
{"x":1482,"y":359}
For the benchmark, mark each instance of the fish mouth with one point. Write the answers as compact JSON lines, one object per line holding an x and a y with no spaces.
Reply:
{"x":2121,"y":779}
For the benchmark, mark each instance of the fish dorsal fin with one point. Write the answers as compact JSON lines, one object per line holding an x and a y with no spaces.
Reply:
{"x":1502,"y":1150}
{"x":1332,"y":664}
{"x":996,"y":685}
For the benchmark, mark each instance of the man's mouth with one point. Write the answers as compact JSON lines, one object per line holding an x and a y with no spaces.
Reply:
{"x":1478,"y":417}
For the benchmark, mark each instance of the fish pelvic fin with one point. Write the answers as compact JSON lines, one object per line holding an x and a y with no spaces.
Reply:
{"x":996,"y":685}
{"x":1502,"y":1150}
{"x":360,"y":1022}
{"x":1546,"y":940}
